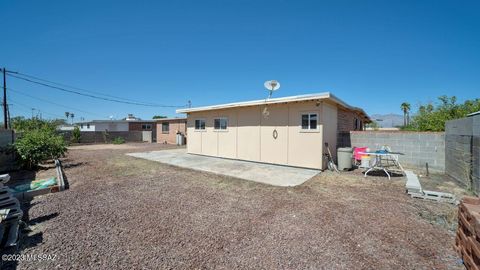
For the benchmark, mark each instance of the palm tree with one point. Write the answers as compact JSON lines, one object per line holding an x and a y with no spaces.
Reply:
{"x":72,"y":116}
{"x":67,"y":114}
{"x":405,"y":107}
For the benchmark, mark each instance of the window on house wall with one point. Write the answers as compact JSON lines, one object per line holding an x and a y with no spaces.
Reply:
{"x":81,"y":125}
{"x":88,"y":126}
{"x":356,"y":124}
{"x":220,"y":123}
{"x":146,"y":127}
{"x":165,"y":127}
{"x":199,"y":124}
{"x":309,"y":121}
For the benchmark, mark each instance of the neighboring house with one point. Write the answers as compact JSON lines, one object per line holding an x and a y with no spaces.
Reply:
{"x":143,"y":125}
{"x":104,"y":125}
{"x":287,"y":131}
{"x":65,"y":127}
{"x":167,"y":129}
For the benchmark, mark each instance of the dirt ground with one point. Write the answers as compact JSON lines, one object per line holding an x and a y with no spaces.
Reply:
{"x":124,"y":213}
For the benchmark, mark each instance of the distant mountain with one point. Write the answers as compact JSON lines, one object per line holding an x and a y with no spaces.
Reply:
{"x":388,"y":120}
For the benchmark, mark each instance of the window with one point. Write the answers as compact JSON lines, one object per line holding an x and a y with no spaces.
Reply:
{"x":309,"y":121}
{"x":88,"y":126}
{"x":165,"y":127}
{"x":199,"y":124}
{"x":81,"y":125}
{"x":146,"y":127}
{"x":220,"y":123}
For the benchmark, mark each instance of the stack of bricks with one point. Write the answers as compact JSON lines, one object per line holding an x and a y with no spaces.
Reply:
{"x":467,"y":242}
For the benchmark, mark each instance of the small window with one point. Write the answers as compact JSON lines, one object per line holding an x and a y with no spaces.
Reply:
{"x":81,"y":125}
{"x":88,"y":126}
{"x":146,"y":127}
{"x":309,"y":121}
{"x":199,"y":124}
{"x":355,"y":124}
{"x":165,"y":127}
{"x":220,"y":123}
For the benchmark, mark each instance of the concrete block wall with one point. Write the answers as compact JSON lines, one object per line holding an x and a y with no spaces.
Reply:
{"x":419,"y":147}
{"x":463,"y":151}
{"x":98,"y":136}
{"x":7,"y":161}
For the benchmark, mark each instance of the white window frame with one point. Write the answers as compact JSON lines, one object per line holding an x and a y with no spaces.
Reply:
{"x":195,"y":125}
{"x":317,"y":129}
{"x":220,"y":129}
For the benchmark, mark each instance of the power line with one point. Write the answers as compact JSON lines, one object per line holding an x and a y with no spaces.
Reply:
{"x":51,"y":102}
{"x":80,"y":89}
{"x":32,"y":107}
{"x":93,"y":96}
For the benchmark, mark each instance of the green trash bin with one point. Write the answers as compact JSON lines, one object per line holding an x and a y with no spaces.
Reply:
{"x":344,"y":157}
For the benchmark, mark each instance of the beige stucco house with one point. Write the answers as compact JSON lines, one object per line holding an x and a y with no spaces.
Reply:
{"x":286,"y":131}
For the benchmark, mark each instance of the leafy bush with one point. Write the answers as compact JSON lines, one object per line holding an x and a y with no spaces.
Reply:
{"x":76,"y":135}
{"x":118,"y":140}
{"x":22,"y":124}
{"x":37,"y":145}
{"x":432,"y":117}
{"x":106,"y":136}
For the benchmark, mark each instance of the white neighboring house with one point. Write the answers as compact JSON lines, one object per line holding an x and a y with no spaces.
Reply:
{"x":102,"y":125}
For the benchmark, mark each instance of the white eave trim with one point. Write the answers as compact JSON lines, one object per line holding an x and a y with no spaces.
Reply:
{"x":319,"y":96}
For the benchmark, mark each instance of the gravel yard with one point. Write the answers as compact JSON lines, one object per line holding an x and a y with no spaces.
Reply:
{"x":123,"y":213}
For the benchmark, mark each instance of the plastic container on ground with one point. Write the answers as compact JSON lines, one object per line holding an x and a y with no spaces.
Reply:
{"x":344,"y":156}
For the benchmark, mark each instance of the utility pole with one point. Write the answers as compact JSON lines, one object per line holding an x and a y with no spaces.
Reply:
{"x":5,"y":117}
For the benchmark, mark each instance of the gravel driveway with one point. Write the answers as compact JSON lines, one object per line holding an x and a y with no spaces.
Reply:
{"x":124,"y":213}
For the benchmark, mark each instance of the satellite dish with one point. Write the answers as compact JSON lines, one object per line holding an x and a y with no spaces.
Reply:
{"x":272,"y":85}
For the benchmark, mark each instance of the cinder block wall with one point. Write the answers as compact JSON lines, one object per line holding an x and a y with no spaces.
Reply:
{"x":463,"y":151}
{"x":98,"y":136}
{"x":7,"y":161}
{"x":419,"y":147}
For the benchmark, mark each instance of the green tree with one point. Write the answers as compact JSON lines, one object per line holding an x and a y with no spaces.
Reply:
{"x":158,"y":116}
{"x":432,"y":117}
{"x":76,"y":134}
{"x":22,"y":124}
{"x":373,"y":125}
{"x":405,"y":107}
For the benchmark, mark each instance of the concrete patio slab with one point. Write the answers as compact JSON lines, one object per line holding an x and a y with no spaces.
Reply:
{"x":259,"y":172}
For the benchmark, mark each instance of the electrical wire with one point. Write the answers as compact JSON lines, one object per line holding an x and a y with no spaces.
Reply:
{"x":13,"y":102}
{"x":91,"y":95}
{"x":80,"y":89}
{"x":54,"y":103}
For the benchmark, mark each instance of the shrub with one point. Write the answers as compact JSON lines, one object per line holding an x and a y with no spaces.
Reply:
{"x":76,"y":134}
{"x":106,"y":136}
{"x":118,"y":140}
{"x":38,"y":145}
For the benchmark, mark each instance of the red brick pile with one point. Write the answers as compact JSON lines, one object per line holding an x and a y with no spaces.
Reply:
{"x":467,"y":242}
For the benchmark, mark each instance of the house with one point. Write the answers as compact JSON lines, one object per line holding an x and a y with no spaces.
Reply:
{"x":168,"y":128}
{"x":286,"y":131}
{"x":103,"y":125}
{"x":129,"y":123}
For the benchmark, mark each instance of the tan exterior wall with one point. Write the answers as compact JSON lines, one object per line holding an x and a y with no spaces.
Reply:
{"x":174,"y":126}
{"x":250,"y":135}
{"x":330,"y":123}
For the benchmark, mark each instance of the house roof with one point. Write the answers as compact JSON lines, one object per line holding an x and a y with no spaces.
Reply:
{"x":170,"y":119}
{"x":117,"y":121}
{"x":309,"y":97}
{"x":474,"y":113}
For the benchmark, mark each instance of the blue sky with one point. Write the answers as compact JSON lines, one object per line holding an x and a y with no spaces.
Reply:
{"x":372,"y":54}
